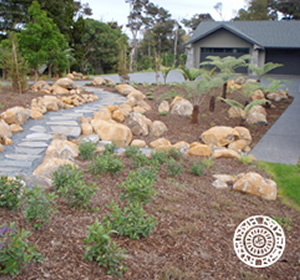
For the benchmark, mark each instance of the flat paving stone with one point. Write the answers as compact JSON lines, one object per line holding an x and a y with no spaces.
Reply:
{"x":30,"y":151}
{"x":8,"y":170}
{"x":73,"y":115}
{"x":62,"y":118}
{"x":84,"y":111}
{"x":33,"y":144}
{"x":38,"y":136}
{"x":15,"y":163}
{"x":69,"y":131}
{"x":22,"y":156}
{"x":67,"y":123}
{"x":38,"y":128}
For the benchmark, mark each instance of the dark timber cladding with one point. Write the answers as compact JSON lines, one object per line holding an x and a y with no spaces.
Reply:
{"x":269,"y":41}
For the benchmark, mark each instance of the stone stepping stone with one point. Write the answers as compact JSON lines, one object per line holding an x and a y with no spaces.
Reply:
{"x":72,"y":115}
{"x":38,"y":136}
{"x":15,"y":163}
{"x":62,"y":118}
{"x":69,"y":131}
{"x":29,"y":151}
{"x":71,"y":123}
{"x":38,"y":128}
{"x":8,"y":170}
{"x":21,"y":156}
{"x":33,"y":144}
{"x":84,"y":111}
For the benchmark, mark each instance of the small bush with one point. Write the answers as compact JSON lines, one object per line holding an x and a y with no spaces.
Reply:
{"x":197,"y":169}
{"x":246,"y":159}
{"x":139,"y":185}
{"x":110,"y":149}
{"x":132,"y":221}
{"x":37,"y":206}
{"x":131,"y":151}
{"x":101,"y":248}
{"x":106,"y":163}
{"x":174,"y":153}
{"x":10,"y":192}
{"x":164,"y":113}
{"x":150,"y":97}
{"x":140,"y":160}
{"x":159,"y":157}
{"x":87,"y":150}
{"x":65,"y":175}
{"x":15,"y":251}
{"x":208,"y":162}
{"x":174,"y":167}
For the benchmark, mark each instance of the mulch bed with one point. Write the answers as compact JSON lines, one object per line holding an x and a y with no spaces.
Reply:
{"x":196,"y":222}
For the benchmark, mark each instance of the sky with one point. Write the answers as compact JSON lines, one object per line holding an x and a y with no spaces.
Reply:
{"x":118,"y":10}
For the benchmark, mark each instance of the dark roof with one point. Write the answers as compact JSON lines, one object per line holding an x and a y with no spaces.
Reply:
{"x":272,"y":34}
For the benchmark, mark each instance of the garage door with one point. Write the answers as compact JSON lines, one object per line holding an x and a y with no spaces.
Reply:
{"x":223,"y":52}
{"x":290,"y":58}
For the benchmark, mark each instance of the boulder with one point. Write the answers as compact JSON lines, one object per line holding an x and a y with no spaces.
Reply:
{"x":164,"y":107}
{"x":137,"y":95}
{"x":70,"y":76}
{"x":138,"y":143}
{"x":118,"y":133}
{"x":175,"y":100}
{"x":277,"y":96}
{"x":40,"y":86}
{"x":225,"y":153}
{"x":258,"y":95}
{"x":103,"y":114}
{"x":158,"y":128}
{"x":86,"y":128}
{"x":35,"y":114}
{"x":219,"y":136}
{"x":243,"y":133}
{"x":160,"y":142}
{"x":16,"y":115}
{"x":255,"y":117}
{"x":182,"y":108}
{"x":228,"y":179}
{"x":62,"y":149}
{"x":258,"y":109}
{"x":65,"y":83}
{"x":219,"y":184}
{"x":236,"y":113}
{"x":253,"y":183}
{"x":240,"y":80}
{"x":144,"y":105}
{"x":138,"y":124}
{"x":124,"y":89}
{"x":50,"y":102}
{"x":182,"y":146}
{"x":118,"y":116}
{"x":139,"y":109}
{"x":112,"y":108}
{"x":6,"y":141}
{"x":98,"y":81}
{"x":15,"y":128}
{"x":1,"y":148}
{"x":55,"y":89}
{"x":199,"y":150}
{"x":51,"y":164}
{"x":109,"y":81}
{"x":238,"y":145}
{"x":125,"y":109}
{"x":5,"y":129}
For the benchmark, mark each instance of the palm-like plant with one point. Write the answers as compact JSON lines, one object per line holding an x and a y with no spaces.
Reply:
{"x":226,"y":66}
{"x":165,"y":72}
{"x":263,"y":70}
{"x":248,"y":89}
{"x":190,"y":74}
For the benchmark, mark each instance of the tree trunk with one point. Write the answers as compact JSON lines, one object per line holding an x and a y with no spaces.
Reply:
{"x":195,"y":114}
{"x":36,"y":74}
{"x":50,"y":71}
{"x":175,"y":44}
{"x":224,"y":95}
{"x":212,"y":103}
{"x":4,"y":70}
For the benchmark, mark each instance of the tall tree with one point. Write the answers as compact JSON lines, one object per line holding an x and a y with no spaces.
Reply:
{"x":196,"y":20}
{"x":256,"y":10}
{"x":290,"y":9}
{"x":41,"y":42}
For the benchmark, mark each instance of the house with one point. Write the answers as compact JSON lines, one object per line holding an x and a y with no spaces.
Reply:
{"x":265,"y":41}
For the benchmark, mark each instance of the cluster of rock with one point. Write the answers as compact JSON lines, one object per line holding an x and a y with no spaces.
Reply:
{"x":101,"y":81}
{"x":76,"y":76}
{"x":12,"y":119}
{"x":251,"y":183}
{"x":257,"y":114}
{"x":178,"y":106}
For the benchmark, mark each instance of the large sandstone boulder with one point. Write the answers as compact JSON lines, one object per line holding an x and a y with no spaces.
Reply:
{"x":160,"y":142}
{"x":219,"y":136}
{"x":164,"y":107}
{"x":253,"y":183}
{"x":15,"y":128}
{"x":65,"y":83}
{"x":16,"y":115}
{"x":182,"y":146}
{"x":238,"y":145}
{"x":1,"y":148}
{"x":56,"y":89}
{"x":236,"y":113}
{"x":124,"y":89}
{"x":62,"y":149}
{"x":138,"y":123}
{"x":138,"y":143}
{"x":199,"y":150}
{"x":50,"y":103}
{"x":118,"y":116}
{"x":125,"y":109}
{"x":98,"y":81}
{"x":258,"y":95}
{"x":136,"y":95}
{"x":244,"y":133}
{"x":277,"y":96}
{"x":103,"y":114}
{"x":144,"y":105}
{"x":225,"y":153}
{"x":158,"y":128}
{"x":256,"y":117}
{"x":182,"y":108}
{"x":5,"y":130}
{"x":35,"y":114}
{"x":175,"y":100}
{"x":41,"y":86}
{"x":118,"y":133}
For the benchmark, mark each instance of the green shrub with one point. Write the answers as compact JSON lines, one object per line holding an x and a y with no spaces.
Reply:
{"x":110,"y":149}
{"x":164,"y":113}
{"x":15,"y":251}
{"x":10,"y":192}
{"x":139,"y":185}
{"x":174,"y":153}
{"x":159,"y":157}
{"x":132,"y":221}
{"x":101,"y":248}
{"x":197,"y":169}
{"x":87,"y":150}
{"x":131,"y":151}
{"x":140,"y":160}
{"x":150,"y":97}
{"x":174,"y":167}
{"x":65,"y":175}
{"x":37,"y":206}
{"x":208,"y":162}
{"x":106,"y":163}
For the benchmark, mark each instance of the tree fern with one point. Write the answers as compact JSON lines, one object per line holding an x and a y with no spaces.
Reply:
{"x":190,"y":74}
{"x":263,"y":70}
{"x":232,"y":103}
{"x":255,"y":103}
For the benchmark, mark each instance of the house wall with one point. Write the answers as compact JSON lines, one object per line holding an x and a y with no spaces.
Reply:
{"x":221,"y":39}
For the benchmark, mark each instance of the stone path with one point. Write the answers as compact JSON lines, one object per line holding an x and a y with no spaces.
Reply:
{"x":29,"y":146}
